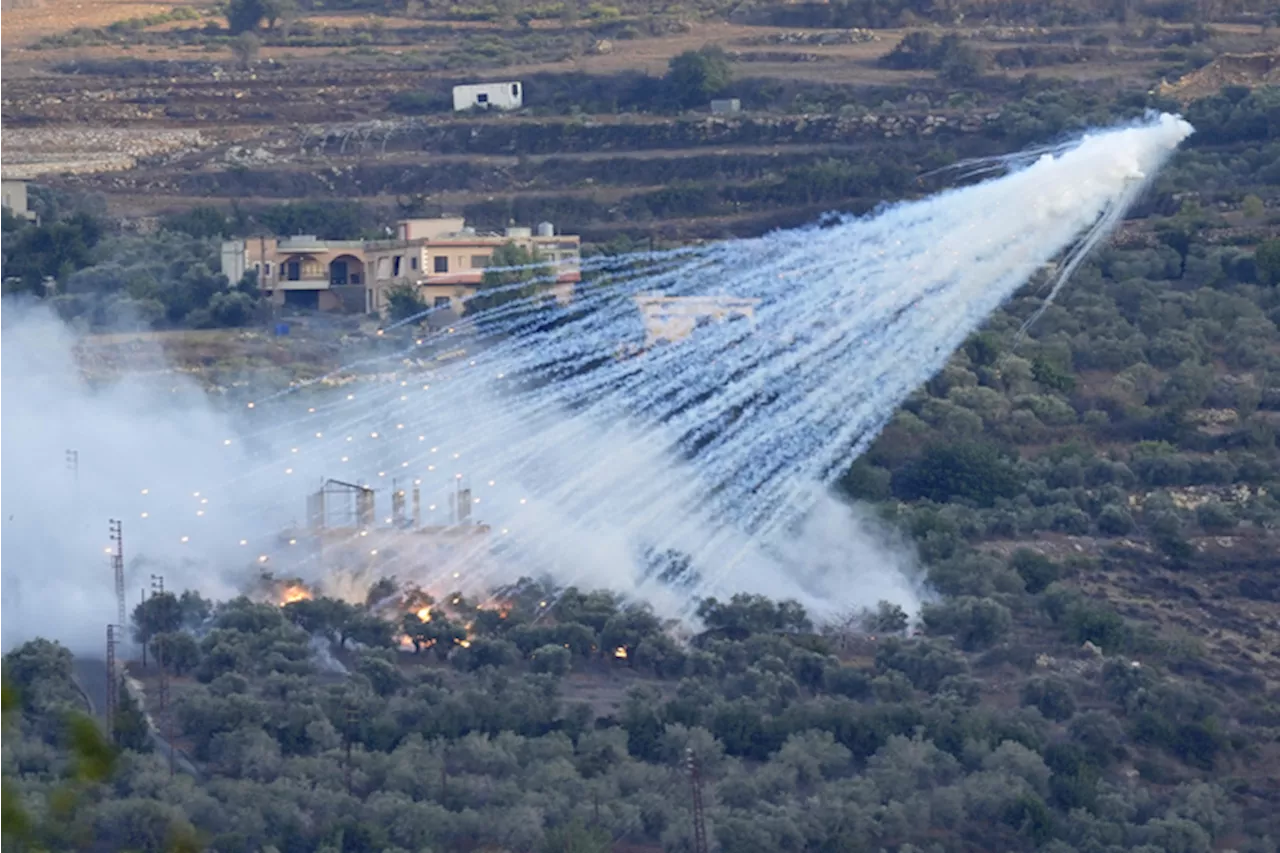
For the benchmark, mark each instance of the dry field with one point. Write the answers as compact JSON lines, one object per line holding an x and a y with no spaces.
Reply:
{"x":28,"y":20}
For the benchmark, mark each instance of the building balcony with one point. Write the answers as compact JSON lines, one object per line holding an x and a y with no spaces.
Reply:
{"x":296,"y":284}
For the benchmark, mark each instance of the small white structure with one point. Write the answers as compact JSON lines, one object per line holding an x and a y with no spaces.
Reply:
{"x":15,"y":199}
{"x":726,"y":105}
{"x":500,"y":96}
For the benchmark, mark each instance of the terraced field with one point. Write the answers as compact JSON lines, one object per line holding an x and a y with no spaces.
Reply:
{"x":156,"y":125}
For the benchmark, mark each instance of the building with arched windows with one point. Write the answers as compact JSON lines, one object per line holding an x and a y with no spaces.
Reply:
{"x":443,"y":259}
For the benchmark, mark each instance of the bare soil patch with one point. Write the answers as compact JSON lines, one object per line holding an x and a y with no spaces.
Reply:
{"x":26,"y":23}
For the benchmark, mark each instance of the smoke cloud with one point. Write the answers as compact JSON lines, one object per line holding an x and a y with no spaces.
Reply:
{"x":668,"y":473}
{"x":128,"y":435}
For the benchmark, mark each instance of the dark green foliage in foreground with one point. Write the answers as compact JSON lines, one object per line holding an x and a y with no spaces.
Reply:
{"x":486,"y":742}
{"x":49,"y":738}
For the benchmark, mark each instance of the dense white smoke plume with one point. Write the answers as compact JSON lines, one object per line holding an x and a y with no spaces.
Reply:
{"x":135,"y":434}
{"x":694,"y":468}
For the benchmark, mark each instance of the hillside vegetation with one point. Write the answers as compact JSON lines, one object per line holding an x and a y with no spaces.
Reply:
{"x":1093,"y":504}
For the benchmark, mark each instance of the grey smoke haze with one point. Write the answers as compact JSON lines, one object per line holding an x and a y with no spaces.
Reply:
{"x":596,"y":496}
{"x":130,"y":434}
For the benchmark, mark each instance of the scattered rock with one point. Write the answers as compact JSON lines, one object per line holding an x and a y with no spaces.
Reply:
{"x":30,"y":153}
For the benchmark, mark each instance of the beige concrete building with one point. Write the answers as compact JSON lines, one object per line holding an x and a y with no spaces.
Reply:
{"x":673,"y":318}
{"x":442,"y":258}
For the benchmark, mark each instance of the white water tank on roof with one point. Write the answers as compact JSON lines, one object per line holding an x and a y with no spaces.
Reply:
{"x":546,"y":229}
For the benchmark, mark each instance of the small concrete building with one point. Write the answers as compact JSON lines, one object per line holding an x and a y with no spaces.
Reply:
{"x":668,"y":319}
{"x":15,"y":199}
{"x":498,"y":96}
{"x":726,"y":105}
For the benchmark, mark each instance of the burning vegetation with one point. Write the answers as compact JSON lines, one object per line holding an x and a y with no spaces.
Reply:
{"x":527,"y":619}
{"x":294,"y":592}
{"x":530,"y":620}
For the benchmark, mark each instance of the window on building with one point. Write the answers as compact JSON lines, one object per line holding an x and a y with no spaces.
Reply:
{"x":413,"y":262}
{"x":266,"y":269}
{"x":441,"y":302}
{"x":479,"y":262}
{"x":441,"y":264}
{"x":482,"y":98}
{"x":395,"y":266}
{"x":515,"y":90}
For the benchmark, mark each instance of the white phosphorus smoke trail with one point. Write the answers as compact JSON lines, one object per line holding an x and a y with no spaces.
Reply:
{"x":597,"y":469}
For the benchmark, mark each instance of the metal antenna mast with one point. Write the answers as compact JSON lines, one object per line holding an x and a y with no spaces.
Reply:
{"x":699,"y":818}
{"x":117,"y":565}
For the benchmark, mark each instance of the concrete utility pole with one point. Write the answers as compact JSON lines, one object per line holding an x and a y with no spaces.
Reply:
{"x":142,"y":599}
{"x":117,"y":565}
{"x":113,"y":683}
{"x":157,"y":588}
{"x":699,"y":819}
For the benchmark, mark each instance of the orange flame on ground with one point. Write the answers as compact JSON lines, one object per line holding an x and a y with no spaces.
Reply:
{"x":424,"y":614}
{"x":620,"y":652}
{"x":294,"y":592}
